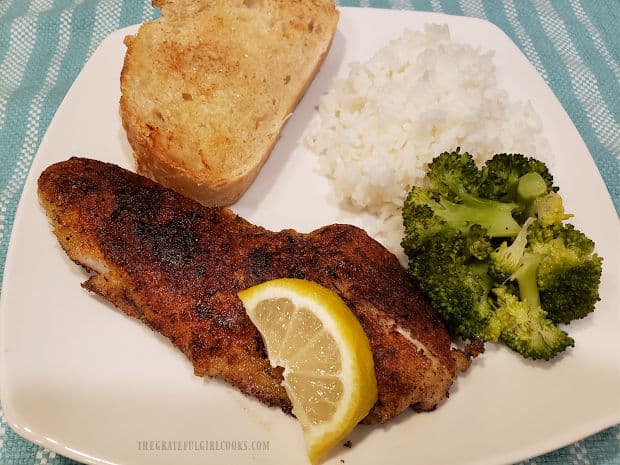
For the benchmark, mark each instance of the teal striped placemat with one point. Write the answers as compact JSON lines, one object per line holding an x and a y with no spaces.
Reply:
{"x":574,"y":45}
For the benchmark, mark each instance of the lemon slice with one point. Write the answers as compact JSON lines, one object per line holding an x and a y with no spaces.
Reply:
{"x":329,"y":373}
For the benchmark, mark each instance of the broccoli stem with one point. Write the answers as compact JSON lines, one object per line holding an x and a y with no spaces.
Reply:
{"x":495,"y":217}
{"x":530,"y":186}
{"x":526,"y":277}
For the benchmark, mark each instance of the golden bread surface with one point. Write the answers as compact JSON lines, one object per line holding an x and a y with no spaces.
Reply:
{"x":207,"y":88}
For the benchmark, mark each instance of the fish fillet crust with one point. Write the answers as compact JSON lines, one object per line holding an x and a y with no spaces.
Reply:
{"x":177,"y":266}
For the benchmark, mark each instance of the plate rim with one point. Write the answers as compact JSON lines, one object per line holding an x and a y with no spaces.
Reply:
{"x":555,"y":443}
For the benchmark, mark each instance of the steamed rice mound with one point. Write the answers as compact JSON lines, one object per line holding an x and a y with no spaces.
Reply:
{"x":423,"y":94}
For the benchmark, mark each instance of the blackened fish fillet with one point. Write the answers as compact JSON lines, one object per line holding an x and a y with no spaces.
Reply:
{"x":177,"y":266}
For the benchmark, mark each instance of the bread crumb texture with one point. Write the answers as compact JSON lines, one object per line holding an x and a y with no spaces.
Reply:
{"x":206,"y":88}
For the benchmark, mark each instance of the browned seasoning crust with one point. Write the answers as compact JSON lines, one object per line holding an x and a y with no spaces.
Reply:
{"x":177,"y":266}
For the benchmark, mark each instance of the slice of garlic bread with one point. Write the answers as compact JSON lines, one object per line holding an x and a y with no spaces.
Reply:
{"x":207,"y":88}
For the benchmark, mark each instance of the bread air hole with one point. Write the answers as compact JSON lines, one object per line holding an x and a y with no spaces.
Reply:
{"x":252,"y":3}
{"x":187,"y":96}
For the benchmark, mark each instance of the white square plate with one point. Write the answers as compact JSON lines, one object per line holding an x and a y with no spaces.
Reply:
{"x":92,"y":384}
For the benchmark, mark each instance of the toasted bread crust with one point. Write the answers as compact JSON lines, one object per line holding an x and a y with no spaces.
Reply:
{"x":207,"y":88}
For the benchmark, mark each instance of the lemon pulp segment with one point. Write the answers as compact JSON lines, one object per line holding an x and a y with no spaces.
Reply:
{"x":328,"y":367}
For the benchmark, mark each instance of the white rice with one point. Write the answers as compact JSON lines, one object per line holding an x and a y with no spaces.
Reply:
{"x":423,"y":94}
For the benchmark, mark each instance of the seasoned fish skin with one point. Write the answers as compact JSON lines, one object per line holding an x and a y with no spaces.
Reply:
{"x":177,"y":266}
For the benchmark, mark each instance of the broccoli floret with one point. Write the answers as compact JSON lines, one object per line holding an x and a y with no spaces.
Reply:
{"x":454,"y":204}
{"x":478,"y":242}
{"x":524,"y":326}
{"x":526,"y":329}
{"x":569,"y":273}
{"x":515,"y":262}
{"x":495,"y":217}
{"x":516,"y":178}
{"x":501,"y":176}
{"x":490,"y":250}
{"x":457,"y":285}
{"x":419,"y":218}
{"x":453,"y":174}
{"x":505,"y":260}
{"x":519,"y":320}
{"x":549,"y":209}
{"x":421,"y":223}
{"x":555,"y":267}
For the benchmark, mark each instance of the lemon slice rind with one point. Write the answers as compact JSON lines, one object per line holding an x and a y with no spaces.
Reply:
{"x":356,"y":374}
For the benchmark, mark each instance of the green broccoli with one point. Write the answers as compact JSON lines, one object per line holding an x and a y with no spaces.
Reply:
{"x":569,"y":273}
{"x":456,"y":283}
{"x":517,"y":263}
{"x":454,"y":174}
{"x":530,"y":187}
{"x":516,"y":178}
{"x":490,"y":249}
{"x":452,"y":202}
{"x":501,"y":175}
{"x":548,"y":209}
{"x":506,"y":260}
{"x":555,"y":267}
{"x":526,"y":329}
{"x":519,"y":319}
